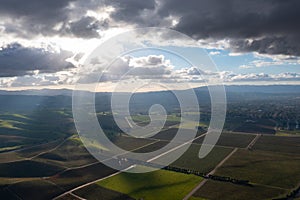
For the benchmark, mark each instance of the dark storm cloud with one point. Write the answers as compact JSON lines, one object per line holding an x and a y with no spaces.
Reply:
{"x":273,"y":25}
{"x":137,"y":12}
{"x":130,"y":10}
{"x":56,"y":17}
{"x":269,"y":45}
{"x":265,"y":26}
{"x":16,"y":60}
{"x":34,"y":16}
{"x":86,"y":27}
{"x":47,"y":11}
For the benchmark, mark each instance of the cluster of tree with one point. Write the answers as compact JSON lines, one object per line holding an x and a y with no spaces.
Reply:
{"x":213,"y":177}
{"x":228,"y":179}
{"x":185,"y":171}
{"x":291,"y":195}
{"x":194,"y":172}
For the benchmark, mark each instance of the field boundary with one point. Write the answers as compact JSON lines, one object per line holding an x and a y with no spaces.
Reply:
{"x":210,"y":173}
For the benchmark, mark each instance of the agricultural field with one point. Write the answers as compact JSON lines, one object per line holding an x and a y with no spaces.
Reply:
{"x":69,"y":197}
{"x":232,"y":140}
{"x":131,"y":143}
{"x":75,"y":177}
{"x":190,"y":159}
{"x":266,"y":168}
{"x":152,"y":147}
{"x":23,"y":130}
{"x":143,"y":120}
{"x":42,"y":157}
{"x":196,"y":198}
{"x":215,"y":190}
{"x":28,"y":168}
{"x":281,"y":144}
{"x":287,"y":133}
{"x":161,"y":184}
{"x":170,"y":133}
{"x":43,"y":189}
{"x":259,"y":126}
{"x":48,"y":188}
{"x":64,"y":155}
{"x":36,"y":150}
{"x":95,"y":192}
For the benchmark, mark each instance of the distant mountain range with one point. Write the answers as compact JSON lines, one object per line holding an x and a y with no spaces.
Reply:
{"x":62,"y":98}
{"x":271,"y":89}
{"x":42,"y":92}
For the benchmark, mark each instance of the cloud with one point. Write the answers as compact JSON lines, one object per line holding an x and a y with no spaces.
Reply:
{"x":258,"y":77}
{"x":134,"y":11}
{"x":263,"y":26}
{"x":245,"y":67}
{"x":265,"y":62}
{"x":149,"y":60}
{"x":267,"y":27}
{"x":157,"y":67}
{"x":17,"y":60}
{"x":34,"y":16}
{"x":269,"y":44}
{"x":178,"y":77}
{"x":35,"y":9}
{"x":125,"y":68}
{"x":213,"y":53}
{"x":147,"y":67}
{"x":190,"y":71}
{"x":235,"y":54}
{"x":58,"y":17}
{"x":86,"y":27}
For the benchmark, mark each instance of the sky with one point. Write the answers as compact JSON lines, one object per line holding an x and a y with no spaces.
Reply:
{"x":46,"y":44}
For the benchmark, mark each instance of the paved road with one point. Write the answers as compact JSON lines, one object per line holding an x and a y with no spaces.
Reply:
{"x":253,"y":141}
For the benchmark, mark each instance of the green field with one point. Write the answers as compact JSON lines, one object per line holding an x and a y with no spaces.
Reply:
{"x":267,"y":168}
{"x":216,"y":190}
{"x":289,"y":144}
{"x":143,"y":120}
{"x":161,"y":184}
